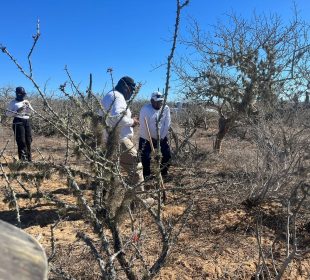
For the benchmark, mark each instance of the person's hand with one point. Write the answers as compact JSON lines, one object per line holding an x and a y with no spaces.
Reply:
{"x":135,"y":121}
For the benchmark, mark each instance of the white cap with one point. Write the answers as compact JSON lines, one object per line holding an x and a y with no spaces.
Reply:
{"x":157,"y":96}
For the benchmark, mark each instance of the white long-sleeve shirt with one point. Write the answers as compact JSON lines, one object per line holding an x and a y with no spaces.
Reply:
{"x":15,"y":105}
{"x":152,"y":116}
{"x":114,"y":104}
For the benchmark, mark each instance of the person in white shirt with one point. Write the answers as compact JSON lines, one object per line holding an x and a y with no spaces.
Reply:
{"x":150,"y":113}
{"x":21,"y":109}
{"x":119,"y":115}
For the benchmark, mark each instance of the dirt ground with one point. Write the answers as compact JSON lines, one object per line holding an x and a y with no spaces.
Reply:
{"x":219,"y":240}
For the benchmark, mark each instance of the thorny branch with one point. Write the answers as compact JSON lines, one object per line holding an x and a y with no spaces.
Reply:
{"x":101,"y":171}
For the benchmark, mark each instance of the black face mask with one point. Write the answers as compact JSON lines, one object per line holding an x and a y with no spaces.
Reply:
{"x":19,"y":97}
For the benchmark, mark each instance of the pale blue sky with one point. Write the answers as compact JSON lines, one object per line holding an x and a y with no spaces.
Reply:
{"x":131,"y":36}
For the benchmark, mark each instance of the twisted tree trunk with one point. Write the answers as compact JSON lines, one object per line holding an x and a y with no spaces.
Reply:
{"x":224,"y":125}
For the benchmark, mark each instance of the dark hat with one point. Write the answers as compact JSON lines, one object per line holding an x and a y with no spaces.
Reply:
{"x":20,"y":91}
{"x":129,"y":81}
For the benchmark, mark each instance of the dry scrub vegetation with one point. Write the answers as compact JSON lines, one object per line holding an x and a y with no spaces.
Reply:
{"x":247,"y":217}
{"x":238,"y":196}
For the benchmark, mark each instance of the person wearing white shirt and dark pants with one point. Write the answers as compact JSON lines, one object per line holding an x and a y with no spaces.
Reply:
{"x":151,"y":112}
{"x":119,"y":115}
{"x":20,"y":109}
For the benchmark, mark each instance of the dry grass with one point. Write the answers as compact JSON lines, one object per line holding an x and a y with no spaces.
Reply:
{"x":219,"y":240}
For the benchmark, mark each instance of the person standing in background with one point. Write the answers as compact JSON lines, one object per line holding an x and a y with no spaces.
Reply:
{"x":21,"y":109}
{"x":150,"y":113}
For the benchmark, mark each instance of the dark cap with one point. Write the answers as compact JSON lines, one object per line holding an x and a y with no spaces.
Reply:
{"x":20,"y":91}
{"x":129,"y":81}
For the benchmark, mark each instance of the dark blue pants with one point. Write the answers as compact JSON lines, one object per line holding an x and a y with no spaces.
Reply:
{"x":145,"y":153}
{"x":23,"y":137}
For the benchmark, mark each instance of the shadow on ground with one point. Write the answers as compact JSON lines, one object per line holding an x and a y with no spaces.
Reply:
{"x":35,"y":217}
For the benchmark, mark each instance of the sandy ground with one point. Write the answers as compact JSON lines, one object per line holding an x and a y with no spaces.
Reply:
{"x":218,"y":242}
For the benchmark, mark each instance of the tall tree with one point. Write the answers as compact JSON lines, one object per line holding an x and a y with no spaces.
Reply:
{"x":245,"y":61}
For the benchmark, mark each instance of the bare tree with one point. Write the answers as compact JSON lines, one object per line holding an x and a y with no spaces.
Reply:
{"x":245,"y":61}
